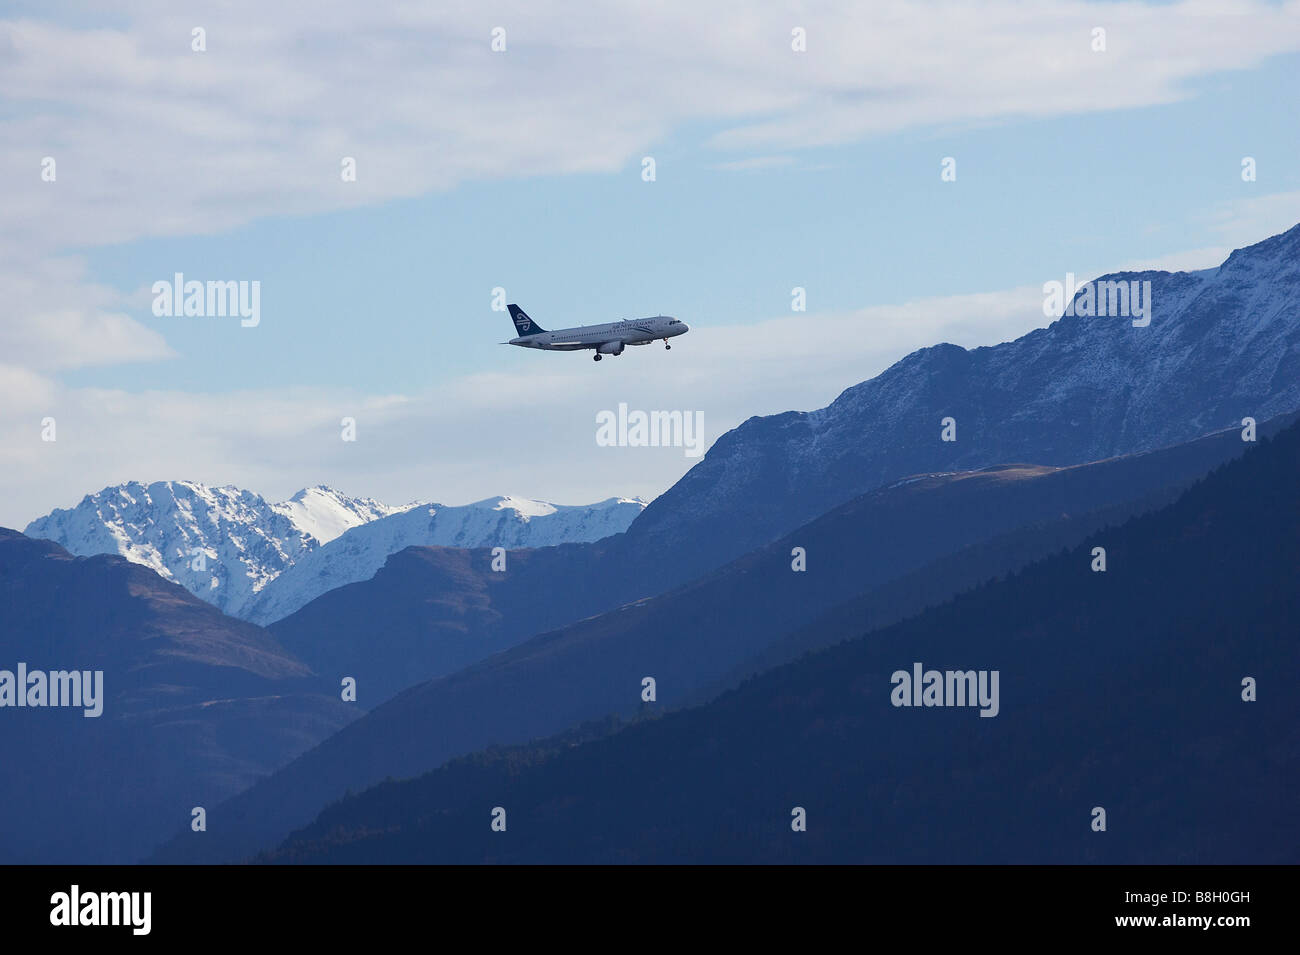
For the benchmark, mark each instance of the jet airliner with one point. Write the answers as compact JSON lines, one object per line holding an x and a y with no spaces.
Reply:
{"x":607,"y":339}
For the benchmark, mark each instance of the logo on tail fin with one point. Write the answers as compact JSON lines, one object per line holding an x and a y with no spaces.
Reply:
{"x":523,"y":324}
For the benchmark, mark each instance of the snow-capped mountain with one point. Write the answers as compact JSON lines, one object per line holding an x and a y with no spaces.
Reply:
{"x":510,"y":522}
{"x":1222,"y":345}
{"x":227,"y":546}
{"x":325,"y":513}
{"x":222,"y":544}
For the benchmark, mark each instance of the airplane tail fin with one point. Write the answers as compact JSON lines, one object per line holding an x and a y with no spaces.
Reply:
{"x":523,"y":324}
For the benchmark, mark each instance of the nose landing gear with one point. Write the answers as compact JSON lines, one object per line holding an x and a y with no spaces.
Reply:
{"x":667,"y":347}
{"x":596,"y":357}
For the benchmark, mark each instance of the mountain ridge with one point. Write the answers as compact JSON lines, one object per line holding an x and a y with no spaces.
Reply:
{"x":691,"y":639}
{"x":231,"y":547}
{"x":1121,"y":690}
{"x":1222,"y":344}
{"x":508,"y":522}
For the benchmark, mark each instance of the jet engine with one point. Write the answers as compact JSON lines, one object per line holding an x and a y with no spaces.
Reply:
{"x":610,"y":348}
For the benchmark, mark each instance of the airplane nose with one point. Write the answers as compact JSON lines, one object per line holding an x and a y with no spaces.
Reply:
{"x":685,"y":328}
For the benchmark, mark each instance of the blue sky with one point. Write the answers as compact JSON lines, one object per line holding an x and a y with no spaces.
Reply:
{"x":862,"y":224}
{"x":522,"y":170}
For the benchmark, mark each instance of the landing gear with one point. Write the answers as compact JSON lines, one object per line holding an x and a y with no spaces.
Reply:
{"x":667,"y":347}
{"x":596,"y":357}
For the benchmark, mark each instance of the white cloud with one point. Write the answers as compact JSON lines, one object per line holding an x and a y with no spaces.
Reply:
{"x":879,"y":68}
{"x":1191,"y":260}
{"x":1237,"y":223}
{"x":152,"y":139}
{"x":52,"y":317}
{"x":1246,"y":221}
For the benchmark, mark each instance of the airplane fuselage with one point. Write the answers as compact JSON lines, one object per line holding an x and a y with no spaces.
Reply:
{"x":641,"y":331}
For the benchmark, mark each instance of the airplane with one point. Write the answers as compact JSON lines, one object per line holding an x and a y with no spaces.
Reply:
{"x":607,"y":339}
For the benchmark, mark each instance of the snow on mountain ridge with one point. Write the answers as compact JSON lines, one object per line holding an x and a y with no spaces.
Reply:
{"x":225,"y":545}
{"x":325,"y":513}
{"x":524,"y":507}
{"x":508,"y":521}
{"x":222,"y":544}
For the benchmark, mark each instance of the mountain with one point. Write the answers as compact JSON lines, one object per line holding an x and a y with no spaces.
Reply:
{"x":429,"y":612}
{"x":509,"y":522}
{"x":195,"y":706}
{"x":244,"y":540}
{"x":1122,"y":690}
{"x":249,"y":545}
{"x":431,"y":607}
{"x":324,"y":513}
{"x":1222,"y":344}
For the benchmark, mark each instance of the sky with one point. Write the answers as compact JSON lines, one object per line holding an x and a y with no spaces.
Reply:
{"x":522,"y":169}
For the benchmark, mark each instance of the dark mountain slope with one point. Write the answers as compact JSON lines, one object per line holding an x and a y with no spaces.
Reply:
{"x":431,"y":611}
{"x":703,"y":637}
{"x":1121,"y":690}
{"x":196,"y":706}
